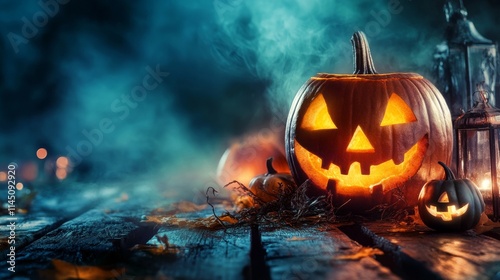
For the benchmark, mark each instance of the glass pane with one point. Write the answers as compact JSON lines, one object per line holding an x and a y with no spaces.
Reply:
{"x":475,"y":163}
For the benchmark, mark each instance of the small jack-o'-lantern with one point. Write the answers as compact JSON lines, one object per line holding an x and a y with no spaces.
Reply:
{"x":362,"y":135}
{"x":450,"y":204}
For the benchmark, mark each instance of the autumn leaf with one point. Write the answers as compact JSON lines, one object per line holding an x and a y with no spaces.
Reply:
{"x":162,"y":248}
{"x":296,"y":238}
{"x":363,"y":252}
{"x":65,"y":270}
{"x":187,"y":206}
{"x":485,"y":224}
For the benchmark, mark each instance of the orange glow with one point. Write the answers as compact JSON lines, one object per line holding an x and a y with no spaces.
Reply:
{"x":3,"y":176}
{"x":397,"y":112}
{"x":246,"y":157}
{"x":359,"y":143}
{"x":29,"y":171}
{"x":387,"y":173}
{"x":19,"y":186}
{"x":444,"y":198}
{"x":485,"y":184}
{"x":317,"y":116}
{"x":62,"y":162}
{"x":61,"y":173}
{"x":447,"y":215}
{"x":41,"y":153}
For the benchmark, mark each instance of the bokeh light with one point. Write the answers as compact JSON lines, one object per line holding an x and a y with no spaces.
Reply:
{"x":41,"y":153}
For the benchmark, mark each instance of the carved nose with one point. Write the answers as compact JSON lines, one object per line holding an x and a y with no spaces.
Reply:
{"x":359,"y":143}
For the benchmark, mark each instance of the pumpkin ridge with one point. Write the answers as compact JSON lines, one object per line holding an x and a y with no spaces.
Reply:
{"x":438,"y":97}
{"x":439,"y":126}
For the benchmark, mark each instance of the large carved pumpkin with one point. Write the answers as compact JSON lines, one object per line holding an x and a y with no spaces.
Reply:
{"x":362,"y":135}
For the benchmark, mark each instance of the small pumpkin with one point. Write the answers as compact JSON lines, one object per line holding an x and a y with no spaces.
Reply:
{"x":450,"y":204}
{"x":268,"y":186}
{"x":242,"y":160}
{"x":360,"y":136}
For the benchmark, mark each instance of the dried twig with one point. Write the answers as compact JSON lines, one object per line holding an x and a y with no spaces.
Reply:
{"x":214,"y":191}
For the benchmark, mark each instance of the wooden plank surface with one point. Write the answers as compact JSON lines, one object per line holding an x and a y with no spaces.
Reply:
{"x":46,"y":214}
{"x":196,"y":254}
{"x":62,"y":238}
{"x":97,"y":237}
{"x":463,"y":255}
{"x":318,"y":253}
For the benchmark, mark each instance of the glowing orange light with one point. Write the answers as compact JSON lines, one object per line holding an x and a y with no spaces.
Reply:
{"x":3,"y":176}
{"x":62,"y":162}
{"x":41,"y":153}
{"x":354,"y":178}
{"x":19,"y":186}
{"x":29,"y":171}
{"x":397,"y":112}
{"x":317,"y":116}
{"x":61,"y":173}
{"x":485,"y":184}
{"x":360,"y":143}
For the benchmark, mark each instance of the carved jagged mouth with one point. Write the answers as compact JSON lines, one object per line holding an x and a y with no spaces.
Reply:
{"x":387,"y":171}
{"x":449,"y":214}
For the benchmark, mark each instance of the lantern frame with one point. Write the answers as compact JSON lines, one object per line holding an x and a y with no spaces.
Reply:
{"x":479,"y":120}
{"x":465,"y":59}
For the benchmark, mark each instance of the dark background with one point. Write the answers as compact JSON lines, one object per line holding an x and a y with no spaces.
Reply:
{"x":233,"y":66}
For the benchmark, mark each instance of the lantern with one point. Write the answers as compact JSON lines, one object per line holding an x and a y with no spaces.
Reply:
{"x":361,"y":135}
{"x":477,"y":134}
{"x":464,"y":60}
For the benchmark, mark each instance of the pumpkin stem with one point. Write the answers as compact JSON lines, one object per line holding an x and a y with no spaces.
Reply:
{"x":447,"y":171}
{"x":269,"y":165}
{"x":363,"y":62}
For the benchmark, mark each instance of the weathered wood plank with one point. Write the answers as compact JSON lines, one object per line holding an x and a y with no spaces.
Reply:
{"x":317,"y":253}
{"x":46,"y":215}
{"x":463,"y":255}
{"x":98,"y":237}
{"x":196,"y":254}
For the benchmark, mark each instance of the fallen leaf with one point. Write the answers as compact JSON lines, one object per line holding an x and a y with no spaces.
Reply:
{"x":485,"y":224}
{"x":65,"y":270}
{"x":228,"y":219}
{"x":156,"y":249}
{"x":362,"y":253}
{"x":187,"y":206}
{"x":154,"y":219}
{"x":243,"y":202}
{"x":296,"y":238}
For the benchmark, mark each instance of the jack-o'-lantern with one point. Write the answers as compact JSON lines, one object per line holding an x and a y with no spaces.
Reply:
{"x":360,"y":136}
{"x":450,"y":204}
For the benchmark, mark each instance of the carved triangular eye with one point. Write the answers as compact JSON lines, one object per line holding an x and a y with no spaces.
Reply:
{"x":397,"y":112}
{"x":444,"y":198}
{"x":317,"y":116}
